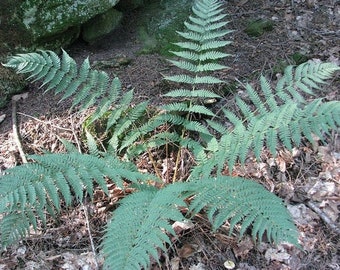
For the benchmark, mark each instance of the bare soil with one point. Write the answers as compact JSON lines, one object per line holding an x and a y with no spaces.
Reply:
{"x":308,"y":27}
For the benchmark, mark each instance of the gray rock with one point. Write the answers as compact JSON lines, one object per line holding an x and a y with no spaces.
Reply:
{"x":47,"y":18}
{"x":101,"y":25}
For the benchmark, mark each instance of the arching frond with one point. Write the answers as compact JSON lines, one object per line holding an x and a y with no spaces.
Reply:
{"x":246,"y":203}
{"x":87,"y":86}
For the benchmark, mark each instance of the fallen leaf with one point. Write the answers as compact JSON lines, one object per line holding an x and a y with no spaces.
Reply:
{"x":188,"y":250}
{"x":199,"y":266}
{"x":242,"y":249}
{"x":175,"y":263}
{"x":279,"y":254}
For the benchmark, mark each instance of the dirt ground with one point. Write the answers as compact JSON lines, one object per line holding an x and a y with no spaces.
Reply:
{"x":308,"y":27}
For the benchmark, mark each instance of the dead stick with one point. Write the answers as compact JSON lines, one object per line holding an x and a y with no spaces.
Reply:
{"x":90,"y":235}
{"x":324,"y":217}
{"x":16,"y":130}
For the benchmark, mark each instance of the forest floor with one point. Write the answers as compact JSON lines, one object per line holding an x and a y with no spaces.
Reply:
{"x":300,"y":28}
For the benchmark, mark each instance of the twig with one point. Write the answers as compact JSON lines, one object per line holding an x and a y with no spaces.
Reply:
{"x":75,"y":135}
{"x":90,"y":236}
{"x":44,"y":122}
{"x":323,"y":216}
{"x":16,"y":129}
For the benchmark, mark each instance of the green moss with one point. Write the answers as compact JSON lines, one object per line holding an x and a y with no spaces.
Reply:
{"x":258,"y":27}
{"x":299,"y":58}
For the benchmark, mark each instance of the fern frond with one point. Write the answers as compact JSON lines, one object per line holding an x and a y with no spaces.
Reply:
{"x":306,"y":77}
{"x":143,"y":217}
{"x":246,"y":203}
{"x":13,"y":227}
{"x":86,"y":85}
{"x":182,"y":107}
{"x":191,"y":94}
{"x":36,"y":187}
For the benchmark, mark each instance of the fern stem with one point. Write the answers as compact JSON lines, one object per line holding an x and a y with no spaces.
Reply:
{"x":178,"y":156}
{"x":159,"y":176}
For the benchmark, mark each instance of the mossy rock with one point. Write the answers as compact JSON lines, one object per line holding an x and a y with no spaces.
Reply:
{"x":258,"y":27}
{"x":158,"y":23}
{"x":101,"y":25}
{"x":10,"y":84}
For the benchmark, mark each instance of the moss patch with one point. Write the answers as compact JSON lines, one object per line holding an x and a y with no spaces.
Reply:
{"x":258,"y":27}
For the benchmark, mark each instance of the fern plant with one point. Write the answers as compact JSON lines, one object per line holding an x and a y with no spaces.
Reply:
{"x":142,"y":222}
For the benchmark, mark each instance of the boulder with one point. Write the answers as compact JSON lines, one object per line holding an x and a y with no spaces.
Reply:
{"x":101,"y":25}
{"x":158,"y":22}
{"x":44,"y":19}
{"x":128,"y":5}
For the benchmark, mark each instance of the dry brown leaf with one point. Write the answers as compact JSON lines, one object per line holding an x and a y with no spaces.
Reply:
{"x":242,"y":249}
{"x":277,"y":254}
{"x":188,"y":250}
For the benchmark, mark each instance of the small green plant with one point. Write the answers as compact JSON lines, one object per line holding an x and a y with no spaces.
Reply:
{"x":142,"y":222}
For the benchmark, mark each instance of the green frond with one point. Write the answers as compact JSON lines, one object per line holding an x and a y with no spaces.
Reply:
{"x":43,"y":184}
{"x":268,"y":93}
{"x":138,"y":225}
{"x":184,"y":93}
{"x":220,"y":128}
{"x":214,"y":44}
{"x":183,"y":107}
{"x":196,"y":126}
{"x":13,"y":227}
{"x":255,"y":98}
{"x":269,"y":120}
{"x":193,"y":80}
{"x":87,"y":86}
{"x":193,"y":46}
{"x":306,"y":77}
{"x":246,"y":203}
{"x":92,"y":144}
